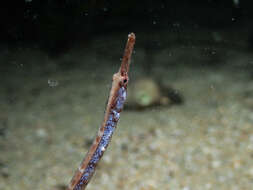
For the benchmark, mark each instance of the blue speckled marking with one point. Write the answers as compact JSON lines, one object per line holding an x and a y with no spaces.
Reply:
{"x":121,"y":99}
{"x":107,"y":134}
{"x":116,"y":115}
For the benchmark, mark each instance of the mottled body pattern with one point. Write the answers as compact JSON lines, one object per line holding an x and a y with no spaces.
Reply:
{"x":107,"y":134}
{"x":112,"y":114}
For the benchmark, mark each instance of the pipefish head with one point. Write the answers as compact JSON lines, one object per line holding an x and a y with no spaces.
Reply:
{"x":120,"y":80}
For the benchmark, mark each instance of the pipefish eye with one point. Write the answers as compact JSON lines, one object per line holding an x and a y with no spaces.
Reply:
{"x":124,"y":80}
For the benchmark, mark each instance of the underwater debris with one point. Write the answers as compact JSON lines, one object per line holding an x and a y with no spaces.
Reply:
{"x":147,"y":92}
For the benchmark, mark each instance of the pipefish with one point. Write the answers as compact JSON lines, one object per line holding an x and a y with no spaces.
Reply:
{"x":114,"y":106}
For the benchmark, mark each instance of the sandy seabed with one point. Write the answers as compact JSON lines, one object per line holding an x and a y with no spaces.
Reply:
{"x":51,"y":108}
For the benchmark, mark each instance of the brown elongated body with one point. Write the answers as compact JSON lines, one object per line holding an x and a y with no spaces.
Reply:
{"x":114,"y":106}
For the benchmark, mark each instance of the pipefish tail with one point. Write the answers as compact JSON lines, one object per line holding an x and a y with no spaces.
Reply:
{"x":114,"y":106}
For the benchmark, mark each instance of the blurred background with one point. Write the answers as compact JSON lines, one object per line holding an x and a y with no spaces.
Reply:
{"x":188,"y":120}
